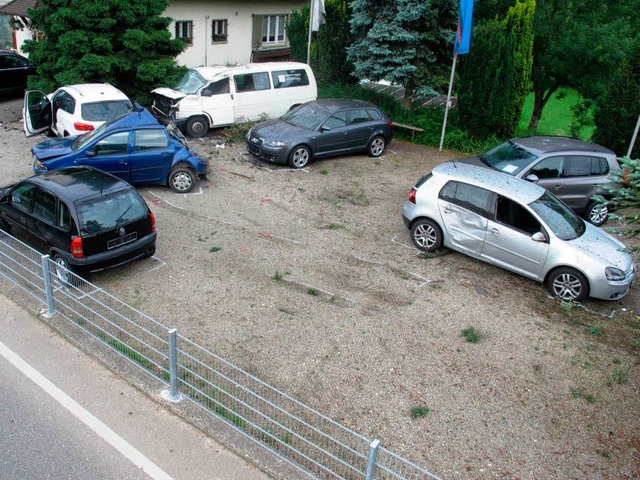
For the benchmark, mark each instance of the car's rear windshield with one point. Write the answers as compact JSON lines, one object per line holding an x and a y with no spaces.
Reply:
{"x":508,"y":158}
{"x":562,"y":221}
{"x":104,"y":111}
{"x":306,"y":116}
{"x":107,"y":213}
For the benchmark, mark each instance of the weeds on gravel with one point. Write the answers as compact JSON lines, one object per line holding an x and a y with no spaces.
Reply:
{"x":619,"y":375}
{"x":279,"y":275}
{"x":332,"y":226}
{"x":215,"y":249}
{"x":237,"y":132}
{"x":313,"y":291}
{"x":471,"y":335}
{"x":577,"y":393}
{"x":324,"y":171}
{"x":597,"y":331}
{"x":417,"y":412}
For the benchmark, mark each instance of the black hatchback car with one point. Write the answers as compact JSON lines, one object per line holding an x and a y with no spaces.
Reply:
{"x":321,"y":128}
{"x":14,"y":71}
{"x":85,"y":219}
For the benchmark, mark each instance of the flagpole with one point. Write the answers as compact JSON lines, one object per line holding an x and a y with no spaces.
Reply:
{"x":310,"y":28}
{"x":446,"y":108}
{"x":634,"y":137}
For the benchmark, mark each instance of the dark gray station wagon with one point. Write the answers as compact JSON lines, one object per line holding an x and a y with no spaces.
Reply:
{"x":86,"y":219}
{"x":321,"y":128}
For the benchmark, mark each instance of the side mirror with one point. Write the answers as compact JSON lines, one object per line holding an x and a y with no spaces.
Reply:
{"x":206,"y":92}
{"x":4,"y":199}
{"x":532,"y":177}
{"x":539,"y":237}
{"x":90,"y":153}
{"x":324,"y":128}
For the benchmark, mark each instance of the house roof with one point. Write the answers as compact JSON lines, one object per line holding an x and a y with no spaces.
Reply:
{"x":18,"y":7}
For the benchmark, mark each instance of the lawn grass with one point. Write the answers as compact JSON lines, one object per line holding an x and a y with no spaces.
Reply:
{"x":556,"y":116}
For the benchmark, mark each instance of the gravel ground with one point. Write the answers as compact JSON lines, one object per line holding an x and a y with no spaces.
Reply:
{"x":308,"y":279}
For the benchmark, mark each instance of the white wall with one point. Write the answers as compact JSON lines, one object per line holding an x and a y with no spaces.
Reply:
{"x":237,"y":50}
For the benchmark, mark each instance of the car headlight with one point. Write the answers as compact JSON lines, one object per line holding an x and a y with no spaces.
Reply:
{"x":275,"y":143}
{"x":249,"y":134}
{"x":614,"y":274}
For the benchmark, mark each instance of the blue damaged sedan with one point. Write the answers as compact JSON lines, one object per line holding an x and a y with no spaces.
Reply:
{"x":133,"y":147}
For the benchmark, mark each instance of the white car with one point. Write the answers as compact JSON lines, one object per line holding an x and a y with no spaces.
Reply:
{"x":519,"y":226}
{"x":73,"y":109}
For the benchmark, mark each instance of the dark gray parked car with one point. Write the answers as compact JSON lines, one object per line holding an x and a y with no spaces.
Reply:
{"x":570,"y":168}
{"x":321,"y":128}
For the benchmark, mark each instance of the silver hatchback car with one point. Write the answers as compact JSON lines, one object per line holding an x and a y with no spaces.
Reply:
{"x":519,"y":226}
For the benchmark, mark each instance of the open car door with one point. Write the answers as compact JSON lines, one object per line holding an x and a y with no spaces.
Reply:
{"x":37,"y":113}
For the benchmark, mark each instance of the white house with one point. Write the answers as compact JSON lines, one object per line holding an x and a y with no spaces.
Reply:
{"x":231,"y":32}
{"x":216,"y":31}
{"x":16,"y":12}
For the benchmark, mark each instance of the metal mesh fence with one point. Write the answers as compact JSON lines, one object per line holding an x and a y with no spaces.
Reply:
{"x":316,"y":445}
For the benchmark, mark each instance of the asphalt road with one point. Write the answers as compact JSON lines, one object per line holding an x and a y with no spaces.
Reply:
{"x":63,"y":415}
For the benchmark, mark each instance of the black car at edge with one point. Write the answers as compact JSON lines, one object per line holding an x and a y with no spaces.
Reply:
{"x":86,"y":219}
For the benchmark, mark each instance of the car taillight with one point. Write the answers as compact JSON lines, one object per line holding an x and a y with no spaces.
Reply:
{"x":76,"y":247}
{"x":412,"y":195}
{"x":153,"y":221}
{"x":82,"y":127}
{"x":391,"y":123}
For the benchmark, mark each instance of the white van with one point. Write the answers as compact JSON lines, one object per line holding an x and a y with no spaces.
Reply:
{"x":208,"y":97}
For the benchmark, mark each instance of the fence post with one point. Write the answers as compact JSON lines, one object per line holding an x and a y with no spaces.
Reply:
{"x":174,"y":396}
{"x":371,"y":460}
{"x":46,"y":273}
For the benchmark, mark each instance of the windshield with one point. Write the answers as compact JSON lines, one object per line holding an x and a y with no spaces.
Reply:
{"x":190,"y":83}
{"x":307,"y":116}
{"x":508,"y":158}
{"x":562,"y":221}
{"x":82,"y":140}
{"x":108,"y":213}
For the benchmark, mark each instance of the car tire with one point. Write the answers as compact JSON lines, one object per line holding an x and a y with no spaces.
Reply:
{"x":182,"y":179}
{"x":150,"y":253}
{"x":596,"y":213}
{"x":376,"y":146}
{"x":197,"y":127}
{"x":568,"y":284}
{"x":299,"y":157}
{"x":426,"y":235}
{"x":62,"y":270}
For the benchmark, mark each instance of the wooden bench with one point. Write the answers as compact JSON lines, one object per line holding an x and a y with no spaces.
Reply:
{"x":409,"y":127}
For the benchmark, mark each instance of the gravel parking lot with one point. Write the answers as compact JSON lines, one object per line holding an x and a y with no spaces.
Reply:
{"x":308,"y":279}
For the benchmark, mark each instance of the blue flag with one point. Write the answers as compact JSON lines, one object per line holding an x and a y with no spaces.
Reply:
{"x":463,"y":35}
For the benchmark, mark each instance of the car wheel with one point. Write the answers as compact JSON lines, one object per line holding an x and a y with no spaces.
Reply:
{"x":568,"y":284}
{"x":62,"y":270}
{"x":426,"y":235}
{"x":150,"y":253}
{"x":376,"y":146}
{"x":597,"y":213}
{"x":197,"y":126}
{"x":299,"y":157}
{"x":182,"y":179}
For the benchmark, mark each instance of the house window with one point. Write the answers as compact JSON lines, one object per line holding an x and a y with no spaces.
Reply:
{"x":273,"y":31}
{"x":218,"y":31}
{"x":184,"y":31}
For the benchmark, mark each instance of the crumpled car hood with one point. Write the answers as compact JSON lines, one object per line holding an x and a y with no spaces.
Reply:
{"x":169,"y":93}
{"x":53,"y":148}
